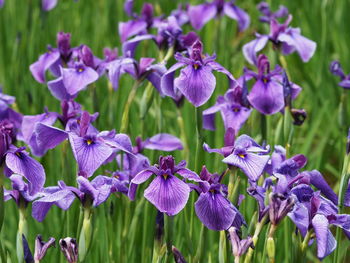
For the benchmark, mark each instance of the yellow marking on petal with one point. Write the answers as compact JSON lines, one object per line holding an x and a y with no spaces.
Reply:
{"x":88,"y":142}
{"x":80,"y":70}
{"x":18,"y":154}
{"x":165,"y":176}
{"x":241,"y":155}
{"x":196,"y":66}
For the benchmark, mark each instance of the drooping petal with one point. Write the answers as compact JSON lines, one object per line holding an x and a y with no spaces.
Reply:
{"x":305,"y":47}
{"x":345,"y":83}
{"x":168,"y":195}
{"x":215,"y":211}
{"x":39,"y":68}
{"x":48,"y":137}
{"x":197,"y":85}
{"x":320,"y":183}
{"x":20,"y":162}
{"x":115,"y":70}
{"x":326,"y":243}
{"x":238,"y":14}
{"x":251,"y":164}
{"x":201,"y":14}
{"x":42,"y":206}
{"x":58,"y":90}
{"x":130,"y":46}
{"x":167,"y":81}
{"x":163,"y":142}
{"x":250,"y":49}
{"x":90,"y":155}
{"x":267,"y":97}
{"x":300,"y":217}
{"x":131,"y":28}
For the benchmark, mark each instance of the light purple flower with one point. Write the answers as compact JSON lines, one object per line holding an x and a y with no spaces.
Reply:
{"x":268,"y":15}
{"x":337,"y":70}
{"x":201,"y":14}
{"x":166,"y":192}
{"x":196,"y":81}
{"x":288,"y":38}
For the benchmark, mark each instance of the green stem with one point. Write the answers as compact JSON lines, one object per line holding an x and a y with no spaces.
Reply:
{"x":342,"y":189}
{"x":305,"y":243}
{"x":183,"y":136}
{"x":22,"y":230}
{"x":199,"y":160}
{"x":169,"y":224}
{"x":125,"y":118}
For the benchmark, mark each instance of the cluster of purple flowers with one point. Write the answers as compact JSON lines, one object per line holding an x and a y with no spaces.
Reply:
{"x":274,"y":180}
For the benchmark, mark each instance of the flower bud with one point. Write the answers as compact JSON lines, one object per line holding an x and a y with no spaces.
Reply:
{"x":178,"y":258}
{"x":6,"y":135}
{"x":63,"y":44}
{"x":279,"y":207}
{"x":299,"y":116}
{"x":69,"y":247}
{"x":86,"y":56}
{"x":270,"y":247}
{"x":42,"y":247}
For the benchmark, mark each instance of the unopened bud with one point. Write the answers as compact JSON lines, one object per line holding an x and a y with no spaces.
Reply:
{"x":270,"y":247}
{"x":41,"y":247}
{"x":63,"y":44}
{"x":299,"y":116}
{"x":178,"y":256}
{"x":69,"y":247}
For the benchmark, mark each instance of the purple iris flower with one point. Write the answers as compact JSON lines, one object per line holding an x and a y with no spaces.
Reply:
{"x":20,"y":191}
{"x":140,"y":24}
{"x":196,"y":81}
{"x":7,"y":114}
{"x":95,"y":192}
{"x":289,"y":38}
{"x":268,"y":15}
{"x":245,"y":154}
{"x":181,"y":15}
{"x":166,"y":192}
{"x":239,"y":245}
{"x":48,"y":5}
{"x":314,"y":212}
{"x":267,"y":94}
{"x":161,"y":142}
{"x":19,"y":162}
{"x":201,"y":14}
{"x":212,"y":207}
{"x":337,"y":70}
{"x":2,"y":2}
{"x":233,"y":111}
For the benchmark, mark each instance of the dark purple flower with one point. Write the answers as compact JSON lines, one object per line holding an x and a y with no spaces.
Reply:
{"x":19,"y":162}
{"x":212,"y":207}
{"x":267,"y":94}
{"x":69,"y":248}
{"x":196,"y":81}
{"x":233,"y":112}
{"x":268,"y":15}
{"x":279,"y":207}
{"x":166,"y":192}
{"x":336,"y":69}
{"x":289,"y":38}
{"x":201,"y":14}
{"x":41,"y":247}
{"x":248,"y":156}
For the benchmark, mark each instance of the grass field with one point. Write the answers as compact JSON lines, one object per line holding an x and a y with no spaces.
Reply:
{"x":123,"y":231}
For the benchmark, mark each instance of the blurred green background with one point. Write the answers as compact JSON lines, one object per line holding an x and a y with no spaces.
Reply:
{"x":124,"y":230}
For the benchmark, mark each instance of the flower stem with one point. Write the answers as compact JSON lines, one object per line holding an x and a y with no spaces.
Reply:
{"x":22,"y":230}
{"x":169,"y":225}
{"x":199,"y":160}
{"x":183,"y":136}
{"x":305,"y":243}
{"x":270,"y":244}
{"x":342,"y":189}
{"x":125,"y":118}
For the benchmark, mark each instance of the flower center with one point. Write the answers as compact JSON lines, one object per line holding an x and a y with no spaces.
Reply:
{"x":196,"y":66}
{"x":165,"y":176}
{"x":88,"y":141}
{"x":241,"y":156}
{"x":80,"y":69}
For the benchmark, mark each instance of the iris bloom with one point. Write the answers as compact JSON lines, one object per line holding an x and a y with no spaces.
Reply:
{"x":267,"y":94}
{"x":289,"y":38}
{"x":166,"y":192}
{"x":96,"y":192}
{"x":201,"y":14}
{"x":314,"y":212}
{"x":337,"y":70}
{"x":233,"y":110}
{"x":196,"y":81}
{"x":212,"y":207}
{"x":245,"y":154}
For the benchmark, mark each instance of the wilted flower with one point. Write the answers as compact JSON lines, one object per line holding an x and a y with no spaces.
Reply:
{"x":239,"y":246}
{"x":196,"y":81}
